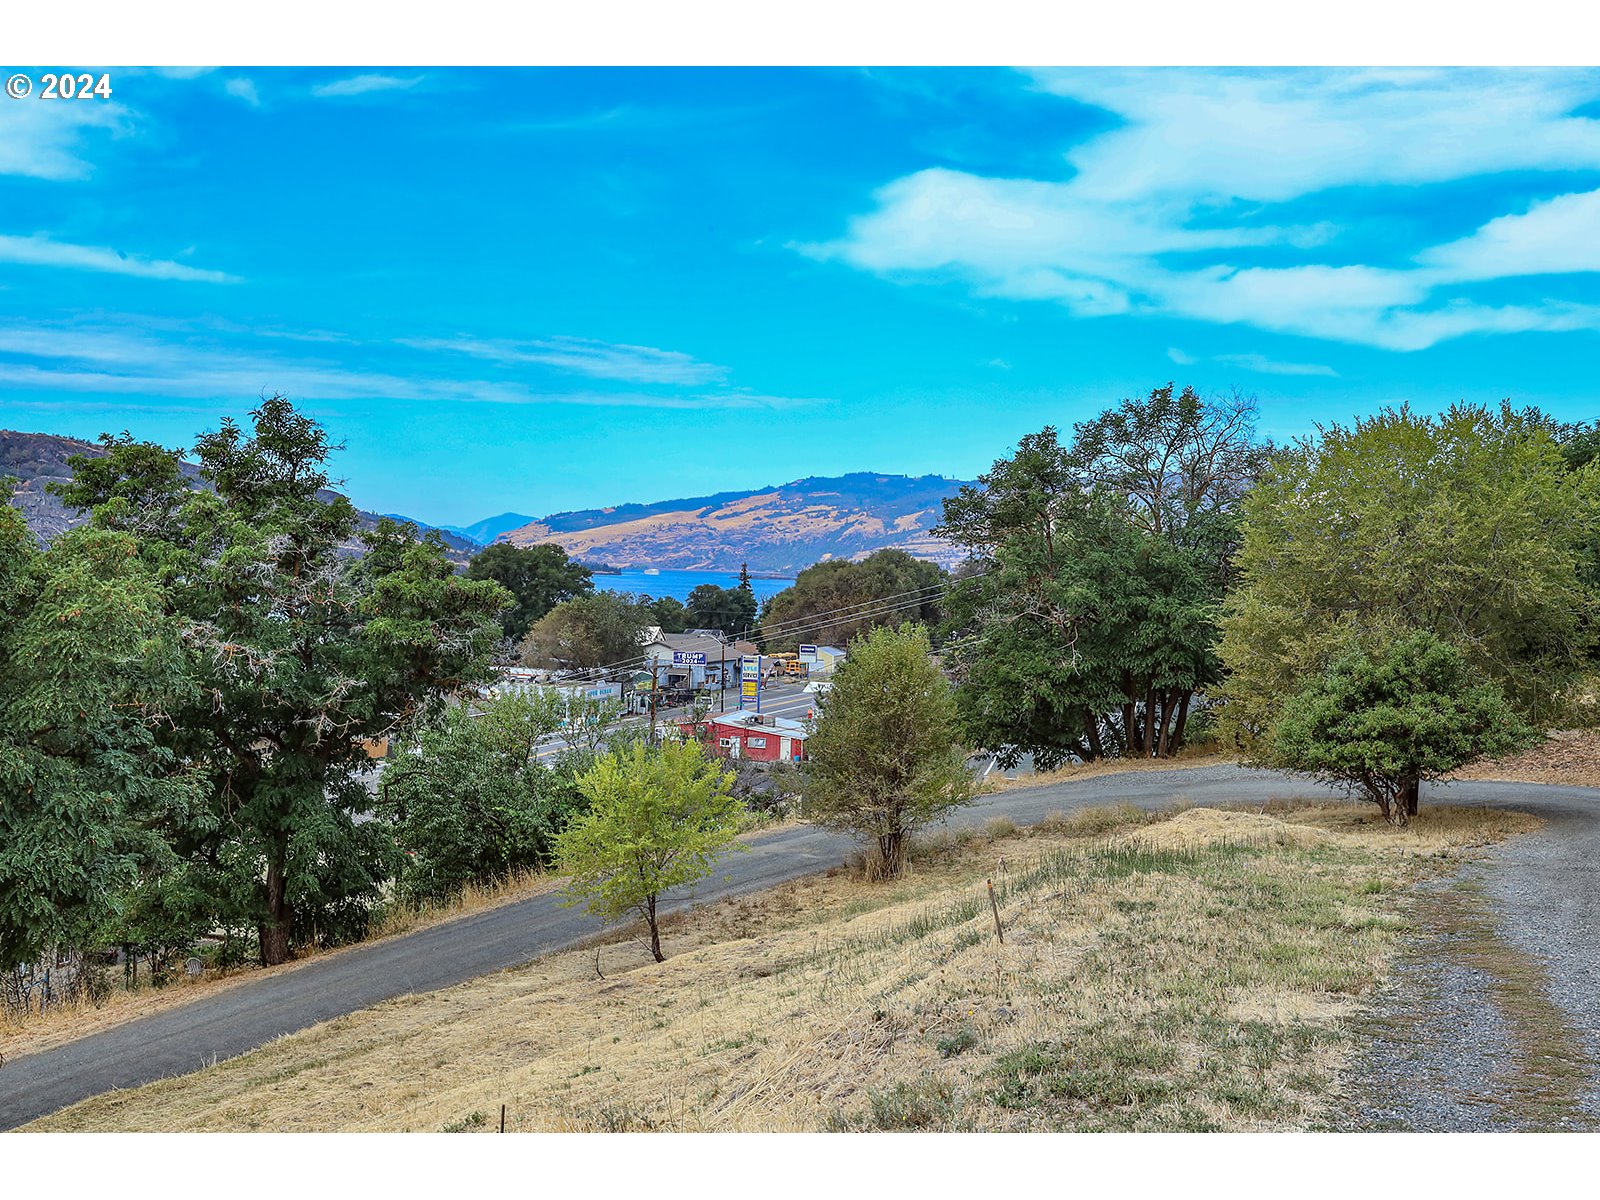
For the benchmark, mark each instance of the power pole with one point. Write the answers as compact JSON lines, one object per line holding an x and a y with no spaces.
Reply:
{"x":722,"y":678}
{"x":655,"y":691}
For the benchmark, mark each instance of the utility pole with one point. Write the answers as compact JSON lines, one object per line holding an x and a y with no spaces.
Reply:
{"x":655,"y":691}
{"x":722,"y":678}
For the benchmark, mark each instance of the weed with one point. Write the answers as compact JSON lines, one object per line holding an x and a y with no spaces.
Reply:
{"x":962,"y":1039}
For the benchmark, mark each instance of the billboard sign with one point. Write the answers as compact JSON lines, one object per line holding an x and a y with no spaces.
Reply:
{"x":808,"y":651}
{"x":750,"y":667}
{"x":688,"y":658}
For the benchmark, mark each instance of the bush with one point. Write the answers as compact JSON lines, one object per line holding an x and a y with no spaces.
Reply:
{"x":1381,"y":720}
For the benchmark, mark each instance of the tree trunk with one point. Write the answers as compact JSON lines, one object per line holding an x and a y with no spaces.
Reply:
{"x":1130,"y":731}
{"x":274,"y":931}
{"x":655,"y":928}
{"x":1149,"y":722}
{"x":1091,"y":730}
{"x":891,"y":856}
{"x":1183,"y":717}
{"x":1166,"y":721}
{"x":1411,"y":793}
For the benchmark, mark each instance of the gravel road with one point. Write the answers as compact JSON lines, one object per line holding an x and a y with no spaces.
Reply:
{"x":1545,"y":887}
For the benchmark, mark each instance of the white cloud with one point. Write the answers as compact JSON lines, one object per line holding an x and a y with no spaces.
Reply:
{"x":1181,"y":358}
{"x":1267,"y":366}
{"x":42,"y":252}
{"x":244,"y":89}
{"x":44,"y":140}
{"x":361,"y":85}
{"x":1160,"y":207}
{"x":1553,"y":237}
{"x":117,"y":358}
{"x":603,"y":360}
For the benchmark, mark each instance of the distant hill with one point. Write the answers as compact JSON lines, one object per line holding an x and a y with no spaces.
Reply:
{"x":778,"y":530}
{"x":485,"y":531}
{"x":38,"y":459}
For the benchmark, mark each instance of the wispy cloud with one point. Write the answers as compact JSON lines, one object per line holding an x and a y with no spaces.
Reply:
{"x":602,"y":360}
{"x":244,"y":89}
{"x":1268,"y":366}
{"x":43,"y":140}
{"x":42,"y":252}
{"x":1164,"y":208}
{"x":362,"y":85}
{"x":125,"y":358}
{"x":1180,"y":357}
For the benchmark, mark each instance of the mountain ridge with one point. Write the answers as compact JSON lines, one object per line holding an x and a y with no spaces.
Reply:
{"x":36,"y":460}
{"x":780,"y":528}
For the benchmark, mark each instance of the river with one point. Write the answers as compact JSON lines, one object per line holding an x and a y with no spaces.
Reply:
{"x":680,"y":583}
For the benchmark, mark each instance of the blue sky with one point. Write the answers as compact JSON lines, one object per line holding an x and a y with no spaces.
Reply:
{"x":551,"y":289}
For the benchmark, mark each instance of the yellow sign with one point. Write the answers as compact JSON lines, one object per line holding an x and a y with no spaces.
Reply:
{"x":748,"y":688}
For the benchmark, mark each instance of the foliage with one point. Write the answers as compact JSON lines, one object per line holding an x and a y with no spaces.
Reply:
{"x":538,"y":578}
{"x":89,"y":667}
{"x":1088,"y":621}
{"x":597,"y":630}
{"x":295,"y":658}
{"x":883,"y":759}
{"x":1469,"y":525}
{"x":832,"y":602}
{"x":470,"y":800}
{"x":1380,"y":720}
{"x":730,"y":610}
{"x":659,"y":817}
{"x":668,"y":612}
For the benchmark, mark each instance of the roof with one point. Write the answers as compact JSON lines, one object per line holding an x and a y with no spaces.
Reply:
{"x":829,"y":650}
{"x":714,"y":649}
{"x":782,"y":726}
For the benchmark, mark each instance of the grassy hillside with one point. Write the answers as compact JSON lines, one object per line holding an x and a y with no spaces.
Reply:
{"x":1192,"y":971}
{"x":779,"y":529}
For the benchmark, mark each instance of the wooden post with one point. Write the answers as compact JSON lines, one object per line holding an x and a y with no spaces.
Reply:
{"x":502,"y":1118}
{"x":995,"y":907}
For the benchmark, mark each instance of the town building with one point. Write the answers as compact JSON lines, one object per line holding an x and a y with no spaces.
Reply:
{"x":760,"y":737}
{"x":695,"y":661}
{"x":823,"y":660}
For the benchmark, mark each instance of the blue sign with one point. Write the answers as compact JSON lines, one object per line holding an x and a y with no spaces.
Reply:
{"x":688,"y":658}
{"x":811,"y":650}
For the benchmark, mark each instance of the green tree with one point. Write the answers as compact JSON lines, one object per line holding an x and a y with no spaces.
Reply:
{"x":730,"y":610}
{"x":744,"y":579}
{"x":668,"y":612}
{"x":1381,"y":720}
{"x":90,"y":667}
{"x":295,"y":656}
{"x":883,"y":759}
{"x":538,"y":578}
{"x":585,"y":632}
{"x":1469,"y":525}
{"x":832,"y":602}
{"x":1087,"y":621}
{"x":471,"y":801}
{"x":660,"y":817}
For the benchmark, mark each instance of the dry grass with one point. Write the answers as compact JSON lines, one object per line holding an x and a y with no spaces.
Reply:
{"x":1191,"y":972}
{"x":1204,"y":755}
{"x":1571,"y":757}
{"x":33,"y":1032}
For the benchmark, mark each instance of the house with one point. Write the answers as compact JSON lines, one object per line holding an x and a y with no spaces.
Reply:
{"x":823,"y":660}
{"x":760,"y":737}
{"x":695,"y":661}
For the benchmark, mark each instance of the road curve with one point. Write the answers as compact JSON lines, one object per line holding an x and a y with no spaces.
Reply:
{"x":231,"y":1022}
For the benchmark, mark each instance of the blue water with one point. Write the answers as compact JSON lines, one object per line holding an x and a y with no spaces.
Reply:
{"x":680,"y":583}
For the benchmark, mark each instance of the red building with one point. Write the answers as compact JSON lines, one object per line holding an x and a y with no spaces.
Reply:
{"x":757,"y":736}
